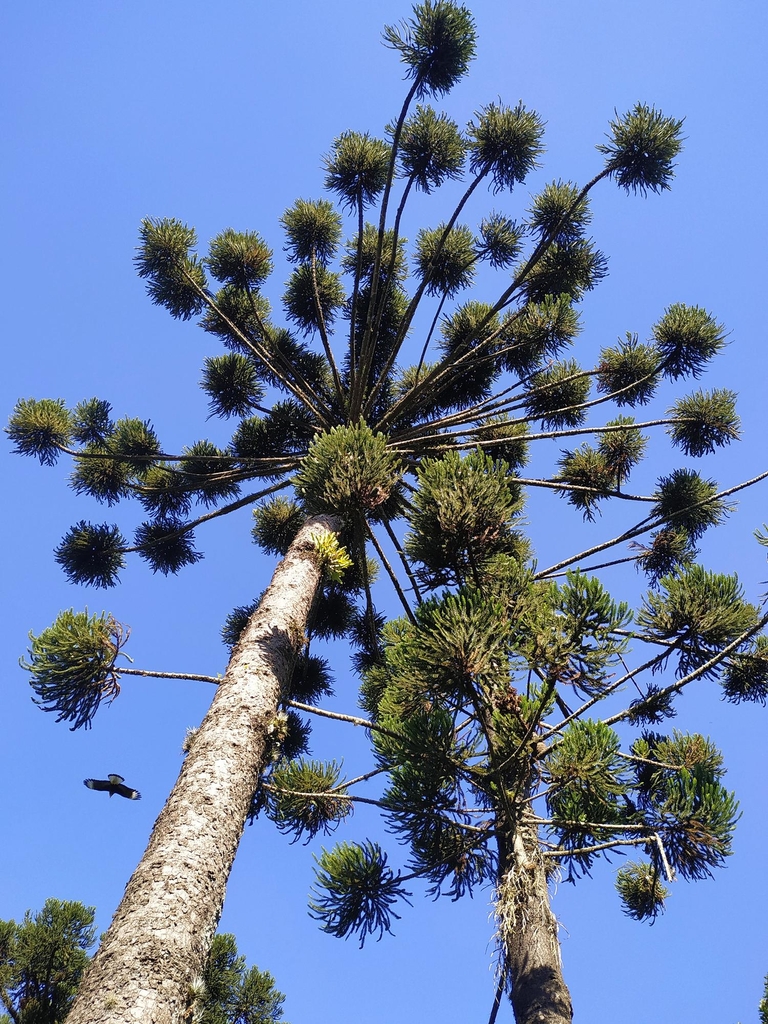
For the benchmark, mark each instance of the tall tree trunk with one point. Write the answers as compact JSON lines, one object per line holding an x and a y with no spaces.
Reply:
{"x":528,"y":933}
{"x":151,"y":960}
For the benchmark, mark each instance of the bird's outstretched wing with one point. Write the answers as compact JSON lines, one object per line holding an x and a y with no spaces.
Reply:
{"x":103,"y":785}
{"x":127,"y":792}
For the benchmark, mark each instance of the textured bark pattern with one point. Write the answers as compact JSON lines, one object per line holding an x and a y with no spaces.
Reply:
{"x":152,"y":956}
{"x":528,"y":931}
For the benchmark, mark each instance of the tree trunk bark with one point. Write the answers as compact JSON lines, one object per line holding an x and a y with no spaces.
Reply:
{"x":528,"y":933}
{"x":150,"y":962}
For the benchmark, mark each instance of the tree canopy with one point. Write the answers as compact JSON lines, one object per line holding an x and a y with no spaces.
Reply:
{"x":424,"y":461}
{"x":42,"y":960}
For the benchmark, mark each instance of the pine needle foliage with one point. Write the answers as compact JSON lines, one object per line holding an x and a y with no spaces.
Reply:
{"x":231,"y":993}
{"x":431,"y":150}
{"x":641,"y":891}
{"x":233,"y":385}
{"x":350,"y":471}
{"x":92,"y":554}
{"x":699,"y":611}
{"x":305,"y":797}
{"x":40,"y":428}
{"x":72,"y":665}
{"x":42,"y":959}
{"x":704,"y":421}
{"x":436,"y":45}
{"x":356,"y":891}
{"x":630,"y":372}
{"x":641,"y":149}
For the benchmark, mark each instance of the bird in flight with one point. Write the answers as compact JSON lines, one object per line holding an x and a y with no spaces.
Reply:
{"x":113,"y":784}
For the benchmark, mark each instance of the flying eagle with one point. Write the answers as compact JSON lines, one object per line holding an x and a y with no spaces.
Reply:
{"x":113,"y":784}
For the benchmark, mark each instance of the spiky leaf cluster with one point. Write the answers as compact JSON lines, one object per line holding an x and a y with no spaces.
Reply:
{"x":92,"y":422}
{"x":629,"y":373}
{"x":267,"y":445}
{"x":350,"y":470}
{"x":595,"y":473}
{"x":462,"y":515}
{"x":445,"y":259}
{"x":313,"y":298}
{"x":166,"y":545}
{"x":356,"y":169}
{"x":72,"y":664}
{"x":305,"y":797}
{"x":746,"y":674}
{"x":506,"y":143}
{"x":503,"y":441}
{"x":363,"y":251}
{"x":92,"y":554}
{"x":700,"y":612}
{"x":107,"y":468}
{"x":641,"y":891}
{"x":236,"y":621}
{"x":641,"y":149}
{"x":559,"y":213}
{"x":536,"y":331}
{"x":232,"y":994}
{"x":436,"y":45}
{"x":312,"y":231}
{"x":276,"y":523}
{"x":466,"y":373}
{"x":331,"y":555}
{"x":232,"y":383}
{"x":311,"y":679}
{"x":424,"y":794}
{"x":704,"y":421}
{"x":206,"y":472}
{"x":238,"y":317}
{"x":589,"y":624}
{"x":687,"y":337}
{"x":623,"y":447}
{"x":40,"y":427}
{"x":556,"y":395}
{"x":687,"y":502}
{"x":333,"y":610}
{"x":500,"y":241}
{"x":175,"y":276}
{"x":431,"y":148}
{"x":588,"y":780}
{"x":355,"y":891}
{"x":568,"y":268}
{"x":165,"y":493}
{"x":42,"y":961}
{"x":589,"y":476}
{"x":684,"y":802}
{"x":653,"y":707}
{"x":239,"y":258}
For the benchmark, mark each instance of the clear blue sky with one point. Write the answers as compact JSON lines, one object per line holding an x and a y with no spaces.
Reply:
{"x":218,"y":114}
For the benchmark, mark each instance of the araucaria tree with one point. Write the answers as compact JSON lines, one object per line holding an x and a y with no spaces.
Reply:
{"x":385,"y":419}
{"x":42,"y":961}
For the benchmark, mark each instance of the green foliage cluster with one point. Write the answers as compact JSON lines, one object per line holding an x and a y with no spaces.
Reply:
{"x":42,"y":959}
{"x":350,"y":471}
{"x":305,"y":797}
{"x":72,"y":664}
{"x":471,"y":726}
{"x":233,"y":993}
{"x":363,"y":901}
